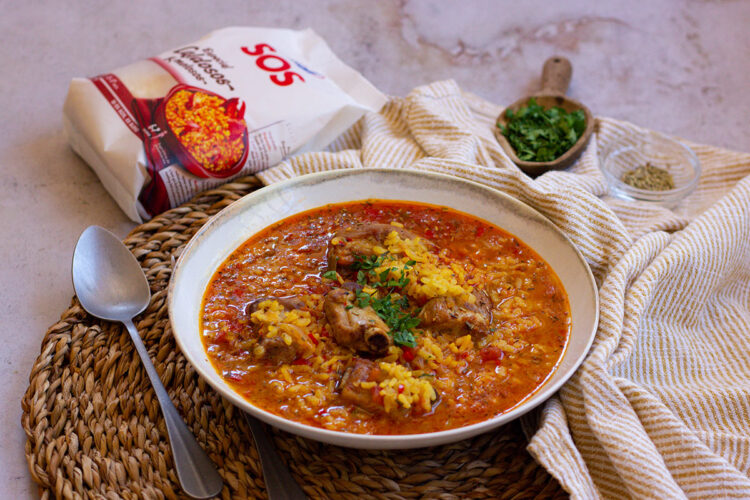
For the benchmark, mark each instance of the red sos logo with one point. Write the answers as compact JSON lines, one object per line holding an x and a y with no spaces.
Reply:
{"x":274,"y":64}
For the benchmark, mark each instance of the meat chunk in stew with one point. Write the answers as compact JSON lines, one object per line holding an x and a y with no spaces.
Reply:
{"x":457,"y":317}
{"x":276,"y":350}
{"x":355,"y":327}
{"x":361,"y":370}
{"x":361,"y":240}
{"x":283,"y":348}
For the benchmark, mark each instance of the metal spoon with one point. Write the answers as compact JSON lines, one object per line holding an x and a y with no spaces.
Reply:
{"x":110,"y":285}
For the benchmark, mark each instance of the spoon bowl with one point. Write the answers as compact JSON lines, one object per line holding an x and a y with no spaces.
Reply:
{"x":110,"y":285}
{"x":556,"y":76}
{"x":108,"y":281}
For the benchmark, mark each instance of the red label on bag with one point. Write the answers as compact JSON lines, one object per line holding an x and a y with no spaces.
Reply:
{"x":118,"y":96}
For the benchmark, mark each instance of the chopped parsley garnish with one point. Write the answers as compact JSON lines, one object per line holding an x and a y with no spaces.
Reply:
{"x":537,"y":134}
{"x":404,"y":337}
{"x":367,"y":274}
{"x":367,"y":262}
{"x":391,"y":311}
{"x":394,"y":312}
{"x":330,"y":275}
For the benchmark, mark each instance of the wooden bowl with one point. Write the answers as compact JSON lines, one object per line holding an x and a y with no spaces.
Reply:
{"x":556,"y":76}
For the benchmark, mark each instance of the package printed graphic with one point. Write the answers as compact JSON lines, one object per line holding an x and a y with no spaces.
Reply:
{"x":238,"y":101}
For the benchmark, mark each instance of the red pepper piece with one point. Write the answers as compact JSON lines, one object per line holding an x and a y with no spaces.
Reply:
{"x":408,"y":353}
{"x":491,"y":353}
{"x":234,"y":108}
{"x":371,"y":211}
{"x":215,"y":154}
{"x":236,"y":129}
{"x":377,"y":398}
{"x":230,"y":107}
{"x":190,"y":127}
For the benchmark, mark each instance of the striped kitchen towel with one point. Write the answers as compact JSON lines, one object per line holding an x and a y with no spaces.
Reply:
{"x":661,"y":406}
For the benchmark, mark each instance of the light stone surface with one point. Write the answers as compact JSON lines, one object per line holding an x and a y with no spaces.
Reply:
{"x":677,"y":66}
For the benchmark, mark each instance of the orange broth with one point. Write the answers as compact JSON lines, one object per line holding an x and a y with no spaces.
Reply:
{"x":529,"y":330}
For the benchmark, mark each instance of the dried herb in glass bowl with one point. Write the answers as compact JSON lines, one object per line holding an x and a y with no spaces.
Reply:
{"x":649,"y":177}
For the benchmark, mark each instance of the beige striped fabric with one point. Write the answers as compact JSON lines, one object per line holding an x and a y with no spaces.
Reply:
{"x":661,"y":406}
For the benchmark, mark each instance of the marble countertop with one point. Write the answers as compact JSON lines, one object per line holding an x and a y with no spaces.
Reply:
{"x":677,"y":66}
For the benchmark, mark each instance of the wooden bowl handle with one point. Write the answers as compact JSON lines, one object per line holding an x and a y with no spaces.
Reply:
{"x":556,"y":75}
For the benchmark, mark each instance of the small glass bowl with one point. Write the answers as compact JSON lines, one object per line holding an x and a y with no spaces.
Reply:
{"x":660,"y":151}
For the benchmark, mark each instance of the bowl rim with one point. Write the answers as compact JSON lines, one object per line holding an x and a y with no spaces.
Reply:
{"x":378,"y":441}
{"x":647,"y":194}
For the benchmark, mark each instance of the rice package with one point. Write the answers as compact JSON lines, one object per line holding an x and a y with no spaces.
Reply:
{"x":235,"y":102}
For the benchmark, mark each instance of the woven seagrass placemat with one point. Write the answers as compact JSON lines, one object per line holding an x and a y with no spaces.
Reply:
{"x":94,"y":429}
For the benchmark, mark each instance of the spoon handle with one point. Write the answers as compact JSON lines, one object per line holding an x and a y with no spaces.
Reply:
{"x":197,"y":473}
{"x":280,"y":484}
{"x":556,"y":75}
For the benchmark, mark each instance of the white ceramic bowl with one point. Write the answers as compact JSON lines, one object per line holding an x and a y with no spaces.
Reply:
{"x":231,"y":227}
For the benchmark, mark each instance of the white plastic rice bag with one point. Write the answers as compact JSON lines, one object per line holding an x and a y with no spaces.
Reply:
{"x":235,"y":102}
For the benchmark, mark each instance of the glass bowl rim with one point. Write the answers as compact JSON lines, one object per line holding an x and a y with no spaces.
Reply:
{"x":693,"y":162}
